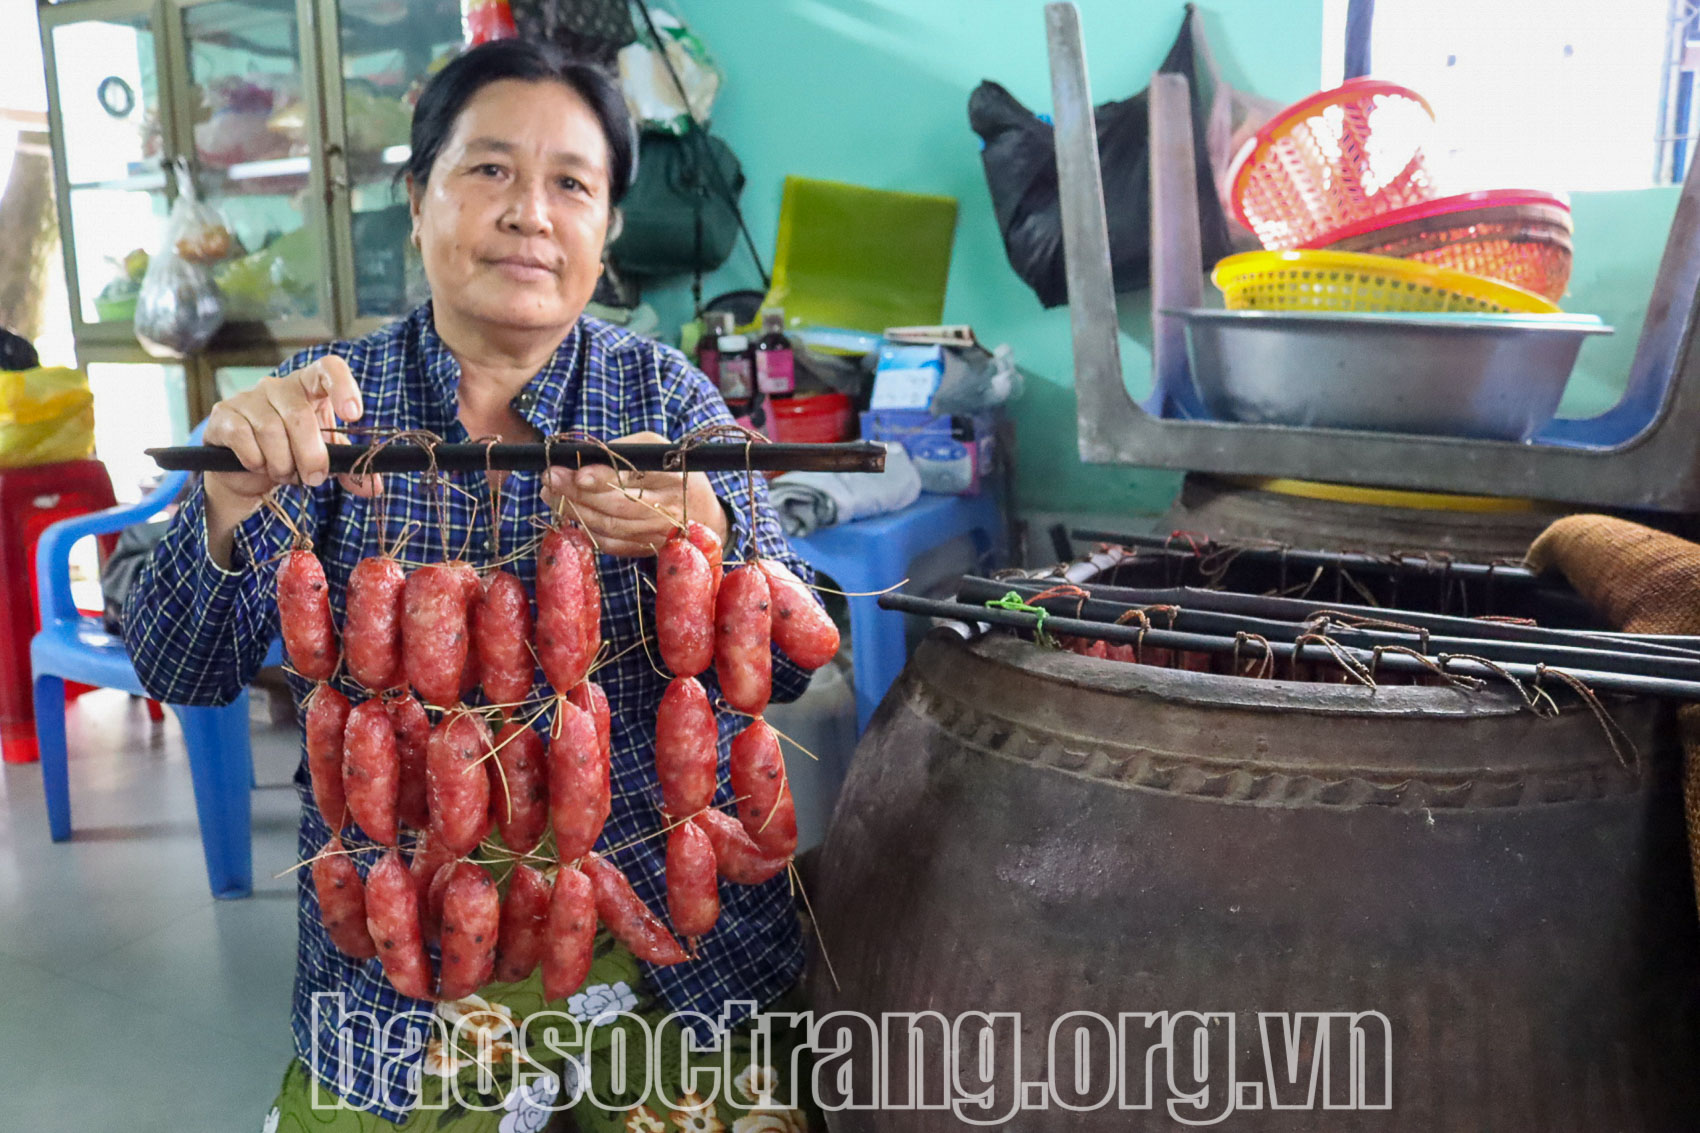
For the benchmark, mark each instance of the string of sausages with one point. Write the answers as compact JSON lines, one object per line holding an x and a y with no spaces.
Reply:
{"x":432,"y":635}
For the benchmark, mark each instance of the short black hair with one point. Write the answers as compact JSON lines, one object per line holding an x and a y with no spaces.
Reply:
{"x":450,"y":89}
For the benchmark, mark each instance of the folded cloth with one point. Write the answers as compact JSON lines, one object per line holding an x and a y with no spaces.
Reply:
{"x":807,"y":501}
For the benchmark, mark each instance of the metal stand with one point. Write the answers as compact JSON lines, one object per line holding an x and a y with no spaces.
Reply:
{"x":1643,"y":453}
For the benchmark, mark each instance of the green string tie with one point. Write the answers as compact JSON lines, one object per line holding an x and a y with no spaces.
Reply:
{"x":1012,"y":601}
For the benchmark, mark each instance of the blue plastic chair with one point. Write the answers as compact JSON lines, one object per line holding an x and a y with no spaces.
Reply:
{"x":869,"y":555}
{"x":74,"y":647}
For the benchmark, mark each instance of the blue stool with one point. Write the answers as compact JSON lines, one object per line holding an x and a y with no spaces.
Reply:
{"x":872,"y":554}
{"x":73,"y":647}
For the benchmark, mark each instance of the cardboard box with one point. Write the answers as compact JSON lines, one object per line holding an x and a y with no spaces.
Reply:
{"x":953,"y":454}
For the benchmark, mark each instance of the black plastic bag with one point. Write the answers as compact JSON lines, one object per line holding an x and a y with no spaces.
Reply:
{"x":1021,"y":171}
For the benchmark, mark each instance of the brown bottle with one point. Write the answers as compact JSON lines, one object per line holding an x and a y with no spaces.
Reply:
{"x":776,"y":372}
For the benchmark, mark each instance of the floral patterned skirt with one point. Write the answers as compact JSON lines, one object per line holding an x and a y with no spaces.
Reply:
{"x":484,"y":1098}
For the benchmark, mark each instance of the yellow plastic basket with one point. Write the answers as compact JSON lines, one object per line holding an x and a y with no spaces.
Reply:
{"x":1353,"y":281}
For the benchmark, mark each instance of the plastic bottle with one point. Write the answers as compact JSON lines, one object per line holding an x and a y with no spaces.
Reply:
{"x":776,"y":372}
{"x":737,"y":375}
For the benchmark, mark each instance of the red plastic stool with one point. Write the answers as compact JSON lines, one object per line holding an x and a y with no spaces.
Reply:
{"x":30,"y":499}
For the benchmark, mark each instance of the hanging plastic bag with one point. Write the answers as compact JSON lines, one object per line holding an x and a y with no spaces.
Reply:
{"x":46,"y":416}
{"x":180,"y":307}
{"x":1020,"y":163}
{"x":651,"y":92}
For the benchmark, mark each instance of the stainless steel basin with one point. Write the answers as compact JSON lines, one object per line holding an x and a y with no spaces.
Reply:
{"x":1488,"y":376}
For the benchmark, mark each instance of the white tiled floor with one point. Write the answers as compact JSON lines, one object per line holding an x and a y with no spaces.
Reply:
{"x":129,"y":998}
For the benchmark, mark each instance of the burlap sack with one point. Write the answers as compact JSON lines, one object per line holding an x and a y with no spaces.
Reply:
{"x":1641,"y":581}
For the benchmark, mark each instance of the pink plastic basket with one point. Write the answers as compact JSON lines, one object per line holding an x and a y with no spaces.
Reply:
{"x":1334,"y":159}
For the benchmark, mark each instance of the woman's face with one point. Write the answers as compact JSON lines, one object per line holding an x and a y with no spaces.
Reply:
{"x":512,"y":221}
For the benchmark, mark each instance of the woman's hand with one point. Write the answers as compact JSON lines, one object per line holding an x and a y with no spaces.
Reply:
{"x":631,"y":514}
{"x":275,"y":431}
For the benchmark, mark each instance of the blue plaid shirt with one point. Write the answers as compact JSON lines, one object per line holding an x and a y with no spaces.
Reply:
{"x":199,"y":633}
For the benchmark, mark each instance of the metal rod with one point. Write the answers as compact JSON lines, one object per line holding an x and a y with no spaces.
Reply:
{"x":1304,"y":609}
{"x":973,"y":590}
{"x":1499,"y":572}
{"x":714,"y":456}
{"x":1202,"y":643}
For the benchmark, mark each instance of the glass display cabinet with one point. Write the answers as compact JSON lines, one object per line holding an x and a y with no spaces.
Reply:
{"x":293,"y":117}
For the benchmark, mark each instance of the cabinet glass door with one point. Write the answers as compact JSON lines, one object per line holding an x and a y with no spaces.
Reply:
{"x":251,"y":113}
{"x":388,"y":49}
{"x":111,"y":139}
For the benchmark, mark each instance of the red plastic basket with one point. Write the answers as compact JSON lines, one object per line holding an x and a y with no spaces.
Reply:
{"x":1519,"y":236}
{"x":1337,"y":158}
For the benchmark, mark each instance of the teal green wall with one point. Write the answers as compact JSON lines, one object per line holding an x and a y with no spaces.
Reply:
{"x":875,"y":92}
{"x":1619,"y":239}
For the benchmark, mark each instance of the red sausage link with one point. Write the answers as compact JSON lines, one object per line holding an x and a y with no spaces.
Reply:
{"x":392,"y":920}
{"x":469,"y":673}
{"x":580,"y":792}
{"x":693,"y":893}
{"x":568,"y":634}
{"x":430,"y":870}
{"x":589,"y":696}
{"x":472,"y":915}
{"x":686,"y":748}
{"x":743,"y":653}
{"x":501,"y":637}
{"x":519,"y":787}
{"x":473,"y":588}
{"x":1086,"y":647}
{"x":708,"y":543}
{"x":342,"y":901}
{"x":1121,"y":652}
{"x":571,"y":931}
{"x":431,"y":912}
{"x":434,"y":637}
{"x":738,"y":858}
{"x":801,"y":628}
{"x":764,"y":793}
{"x":428,"y":858}
{"x":579,"y":540}
{"x":456,"y":783}
{"x":304,"y":615}
{"x":684,"y":607}
{"x":412,"y":733}
{"x":523,"y":934}
{"x":371,"y":770}
{"x":327,"y":719}
{"x":627,"y":917}
{"x":372,"y":631}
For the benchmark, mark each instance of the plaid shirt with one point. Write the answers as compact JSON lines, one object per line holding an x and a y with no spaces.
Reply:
{"x":198,"y":634}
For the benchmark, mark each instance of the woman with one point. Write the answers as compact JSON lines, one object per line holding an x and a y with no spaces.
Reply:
{"x":519,"y":160}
